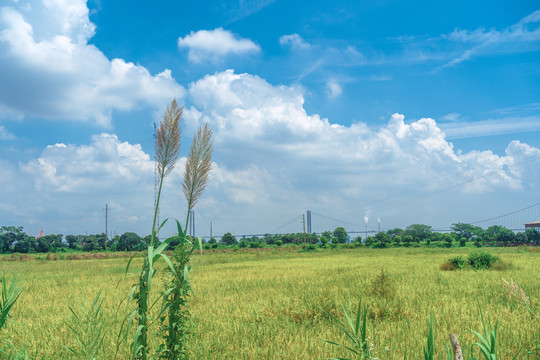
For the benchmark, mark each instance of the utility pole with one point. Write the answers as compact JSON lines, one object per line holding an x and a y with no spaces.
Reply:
{"x":304,"y":224}
{"x":309,"y":221}
{"x":106,"y":223}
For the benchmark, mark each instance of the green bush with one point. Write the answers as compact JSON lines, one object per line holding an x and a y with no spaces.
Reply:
{"x":480,"y":259}
{"x":459,"y":262}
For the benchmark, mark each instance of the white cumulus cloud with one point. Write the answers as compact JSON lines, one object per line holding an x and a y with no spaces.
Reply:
{"x":273,"y":161}
{"x":50,"y":70}
{"x":213,"y":45}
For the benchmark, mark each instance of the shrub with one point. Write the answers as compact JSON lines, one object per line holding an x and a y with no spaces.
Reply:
{"x":462,"y":241}
{"x":480,"y":259}
{"x":459,"y":262}
{"x":279,"y":242}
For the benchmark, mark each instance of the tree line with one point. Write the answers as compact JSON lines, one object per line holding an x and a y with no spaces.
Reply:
{"x":13,"y":239}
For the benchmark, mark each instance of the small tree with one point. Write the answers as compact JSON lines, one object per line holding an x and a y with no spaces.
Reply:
{"x":419,"y":231}
{"x":383,"y":238}
{"x":340,"y":235}
{"x":228,"y":239}
{"x":370,"y":241}
{"x":397,"y":240}
{"x":448,"y":239}
{"x":521,"y":238}
{"x":407,"y":240}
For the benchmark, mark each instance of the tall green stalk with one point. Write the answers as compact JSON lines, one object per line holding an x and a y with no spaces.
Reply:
{"x":167,"y":148}
{"x":176,"y":294}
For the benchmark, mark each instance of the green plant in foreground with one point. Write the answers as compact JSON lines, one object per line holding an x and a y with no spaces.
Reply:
{"x":487,"y":342}
{"x":177,"y":291}
{"x":87,"y":327}
{"x":429,"y":350}
{"x":167,"y":149}
{"x":355,"y":329}
{"x":173,"y":315}
{"x":10,"y":294}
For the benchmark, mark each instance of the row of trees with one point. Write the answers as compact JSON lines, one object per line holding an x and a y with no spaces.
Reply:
{"x":13,"y":239}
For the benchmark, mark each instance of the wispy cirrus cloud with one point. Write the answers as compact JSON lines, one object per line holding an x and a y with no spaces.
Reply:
{"x":490,"y":127}
{"x":242,"y":9}
{"x":5,"y":135}
{"x":520,"y":37}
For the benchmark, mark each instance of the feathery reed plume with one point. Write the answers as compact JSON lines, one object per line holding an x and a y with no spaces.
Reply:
{"x":198,"y":166}
{"x":167,"y":142}
{"x":167,"y":148}
{"x":519,"y":295}
{"x":516,"y":292}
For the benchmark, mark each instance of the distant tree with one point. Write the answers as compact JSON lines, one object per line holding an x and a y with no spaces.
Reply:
{"x":72,"y":241}
{"x":243,"y":243}
{"x":328,"y":235}
{"x":269,"y":239}
{"x":467,"y":231}
{"x":25,"y":245}
{"x":129,"y":241}
{"x":10,"y":235}
{"x":383,"y":238}
{"x":91,"y":243}
{"x":394,"y":232}
{"x":324,"y":240}
{"x":212,"y":240}
{"x":435,"y":236}
{"x":370,"y":241}
{"x":419,"y":231}
{"x":506,"y":236}
{"x":312,"y":238}
{"x":448,"y":239}
{"x":340,"y":235}
{"x":532,"y":235}
{"x":228,"y":239}
{"x":397,"y":239}
{"x":407,"y":239}
{"x":521,"y":238}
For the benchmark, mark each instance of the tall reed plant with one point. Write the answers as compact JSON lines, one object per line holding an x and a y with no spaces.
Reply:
{"x":177,"y":290}
{"x":167,"y":150}
{"x":172,"y":315}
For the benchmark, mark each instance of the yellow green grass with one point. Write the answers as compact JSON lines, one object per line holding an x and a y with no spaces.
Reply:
{"x":268,"y":305}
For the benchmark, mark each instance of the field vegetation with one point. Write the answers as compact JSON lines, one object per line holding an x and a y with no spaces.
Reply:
{"x":271,"y":304}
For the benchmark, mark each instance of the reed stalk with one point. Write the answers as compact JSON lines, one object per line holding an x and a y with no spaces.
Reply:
{"x":167,"y":149}
{"x":177,"y":292}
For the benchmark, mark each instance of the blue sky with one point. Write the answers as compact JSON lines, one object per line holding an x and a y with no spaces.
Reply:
{"x":412,"y":113}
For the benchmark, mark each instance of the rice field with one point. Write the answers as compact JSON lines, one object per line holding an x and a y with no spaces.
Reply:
{"x":269,"y":304}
